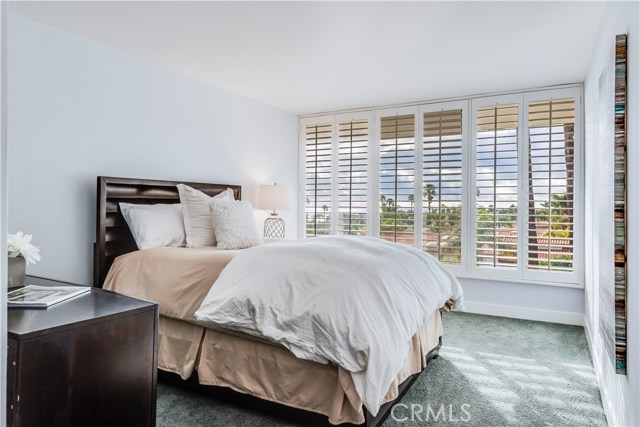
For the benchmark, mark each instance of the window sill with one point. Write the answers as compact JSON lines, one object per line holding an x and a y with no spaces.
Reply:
{"x":521,"y":281}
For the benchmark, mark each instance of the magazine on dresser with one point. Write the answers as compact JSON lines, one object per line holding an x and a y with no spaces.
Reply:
{"x":33,"y":296}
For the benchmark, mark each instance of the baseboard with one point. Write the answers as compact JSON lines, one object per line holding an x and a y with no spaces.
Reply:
{"x":526,"y":313}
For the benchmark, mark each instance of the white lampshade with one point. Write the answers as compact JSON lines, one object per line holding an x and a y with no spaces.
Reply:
{"x":274,"y":197}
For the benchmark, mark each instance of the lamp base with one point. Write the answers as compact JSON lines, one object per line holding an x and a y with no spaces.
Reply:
{"x":274,"y":228}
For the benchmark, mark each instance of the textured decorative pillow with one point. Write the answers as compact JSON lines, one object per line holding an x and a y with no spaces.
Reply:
{"x":235,"y":224}
{"x":155,"y":225}
{"x":197,"y":215}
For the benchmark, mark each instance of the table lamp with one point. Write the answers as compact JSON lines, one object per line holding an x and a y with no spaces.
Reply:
{"x":274,"y":197}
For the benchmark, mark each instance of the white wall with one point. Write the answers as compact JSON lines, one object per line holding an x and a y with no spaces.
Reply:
{"x":524,"y":301}
{"x":621,"y":394}
{"x":79,"y":109}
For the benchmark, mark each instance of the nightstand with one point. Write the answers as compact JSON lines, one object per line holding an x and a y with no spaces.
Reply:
{"x":88,"y":361}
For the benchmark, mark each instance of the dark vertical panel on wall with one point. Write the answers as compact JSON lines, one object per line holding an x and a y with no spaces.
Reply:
{"x":620,"y":202}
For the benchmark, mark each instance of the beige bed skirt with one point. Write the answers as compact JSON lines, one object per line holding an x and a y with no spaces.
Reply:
{"x":271,"y":372}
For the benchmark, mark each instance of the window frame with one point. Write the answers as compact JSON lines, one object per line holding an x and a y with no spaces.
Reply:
{"x":379,"y":114}
{"x":578,"y":190}
{"x":462,"y":105}
{"x":496,"y":272}
{"x":345,"y":117}
{"x":318,"y":120}
{"x":468,"y":105}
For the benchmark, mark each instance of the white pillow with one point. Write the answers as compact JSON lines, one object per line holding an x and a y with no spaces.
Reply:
{"x":155,"y":225}
{"x":197,"y":215}
{"x":235,"y":224}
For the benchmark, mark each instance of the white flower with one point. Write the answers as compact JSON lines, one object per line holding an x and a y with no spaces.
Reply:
{"x":20,"y":245}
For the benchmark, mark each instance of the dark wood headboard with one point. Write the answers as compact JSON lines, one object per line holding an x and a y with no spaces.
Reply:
{"x":113,"y":237}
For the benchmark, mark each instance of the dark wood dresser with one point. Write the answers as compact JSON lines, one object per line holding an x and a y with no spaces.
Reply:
{"x":88,"y":361}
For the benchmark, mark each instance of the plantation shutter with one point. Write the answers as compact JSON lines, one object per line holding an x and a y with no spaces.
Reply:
{"x":442,"y":185}
{"x":494,"y":181}
{"x":497,"y":186}
{"x":550,"y":243}
{"x":352,"y":177}
{"x":397,"y":172}
{"x":318,"y":179}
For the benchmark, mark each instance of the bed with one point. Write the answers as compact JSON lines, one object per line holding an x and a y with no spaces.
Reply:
{"x":218,"y":356}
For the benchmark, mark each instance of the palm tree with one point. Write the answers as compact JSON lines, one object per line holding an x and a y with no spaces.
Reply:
{"x":387,"y":214}
{"x":429,"y":192}
{"x":411,"y":200}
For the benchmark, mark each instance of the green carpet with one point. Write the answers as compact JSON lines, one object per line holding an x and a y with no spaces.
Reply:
{"x":492,"y":371}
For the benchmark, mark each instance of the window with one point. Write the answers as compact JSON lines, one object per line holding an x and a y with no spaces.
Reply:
{"x":525,"y":202}
{"x":496,"y":209}
{"x":318,"y":172}
{"x":550,"y":182}
{"x":488,"y":185}
{"x":397,"y":171}
{"x":352,"y":177}
{"x":442,"y":185}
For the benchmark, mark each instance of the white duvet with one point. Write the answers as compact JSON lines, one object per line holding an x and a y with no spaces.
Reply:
{"x":353,"y":301}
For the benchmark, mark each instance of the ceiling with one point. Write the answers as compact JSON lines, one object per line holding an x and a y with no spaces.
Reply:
{"x":310,"y":57}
